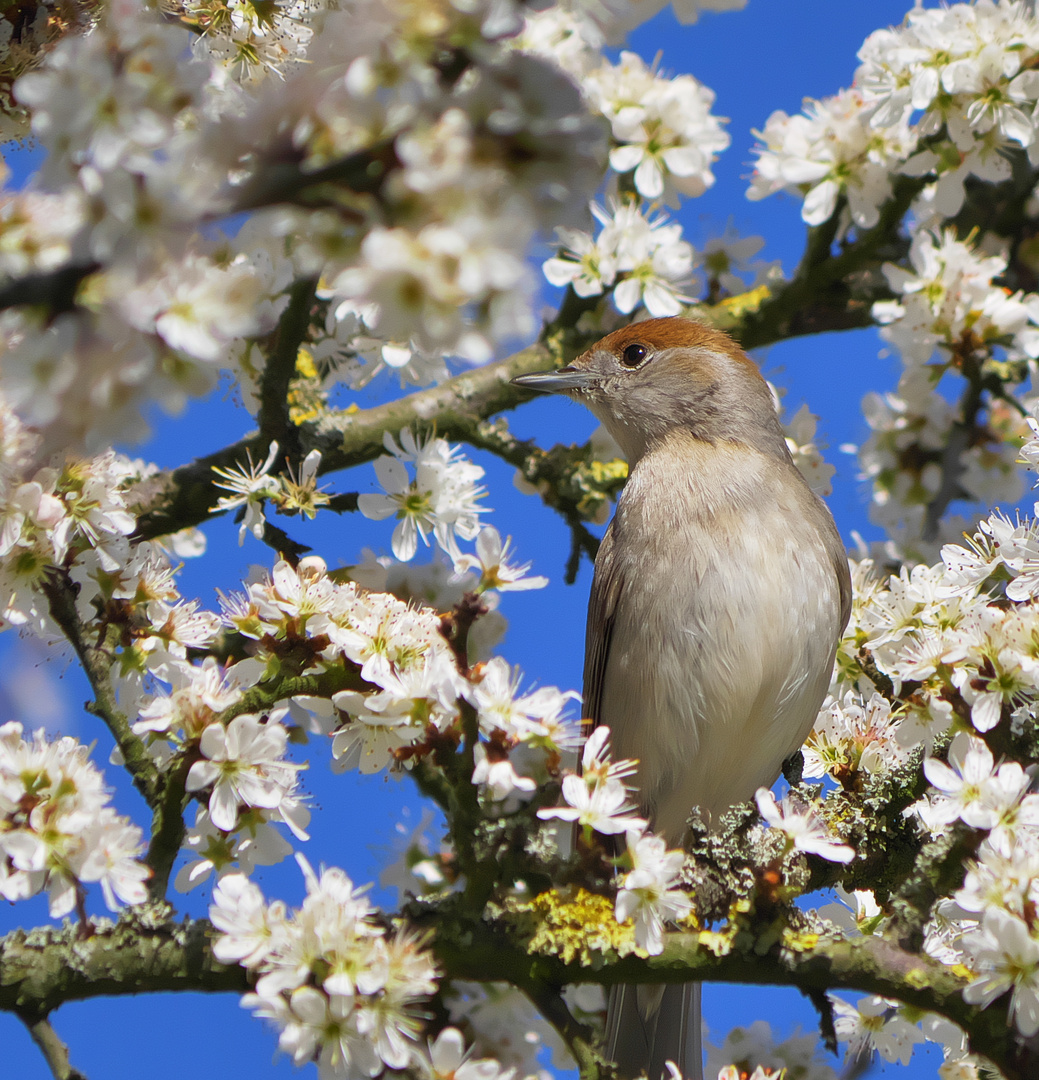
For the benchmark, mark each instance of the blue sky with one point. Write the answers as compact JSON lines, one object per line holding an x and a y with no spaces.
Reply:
{"x":766,"y":57}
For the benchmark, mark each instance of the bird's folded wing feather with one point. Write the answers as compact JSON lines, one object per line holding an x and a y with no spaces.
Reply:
{"x":602,"y":608}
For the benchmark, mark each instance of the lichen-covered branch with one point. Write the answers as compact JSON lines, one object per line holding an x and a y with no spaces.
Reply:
{"x":142,"y":952}
{"x":870,"y":964}
{"x":45,"y":968}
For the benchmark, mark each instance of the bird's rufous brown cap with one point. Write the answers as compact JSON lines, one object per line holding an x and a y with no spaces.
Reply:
{"x":675,"y":332}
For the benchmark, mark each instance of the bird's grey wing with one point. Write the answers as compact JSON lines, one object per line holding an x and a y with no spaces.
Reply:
{"x":602,"y":608}
{"x":839,"y":558}
{"x":640,"y":1037}
{"x":840,"y":565}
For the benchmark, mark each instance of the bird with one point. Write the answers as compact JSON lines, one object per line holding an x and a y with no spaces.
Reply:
{"x":720,"y":593}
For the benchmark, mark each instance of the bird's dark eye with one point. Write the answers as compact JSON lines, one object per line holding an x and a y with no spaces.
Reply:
{"x":633,"y":355}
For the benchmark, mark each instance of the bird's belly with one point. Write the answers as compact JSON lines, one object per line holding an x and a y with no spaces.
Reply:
{"x":713,"y":689}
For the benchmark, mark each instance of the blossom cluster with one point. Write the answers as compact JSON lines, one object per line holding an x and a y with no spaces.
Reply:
{"x":949,"y":302}
{"x":642,"y":259}
{"x":663,"y":130}
{"x":252,"y":486}
{"x":57,"y":830}
{"x":938,"y":629}
{"x":339,"y":989}
{"x":957,"y":643}
{"x":75,"y":517}
{"x":599,"y":800}
{"x":475,"y":168}
{"x":827,"y":152}
{"x":112,"y":199}
{"x":949,"y":94}
{"x":411,"y":680}
{"x":241,"y":776}
{"x":946,"y":642}
{"x":963,"y":75}
{"x":664,"y":142}
{"x":481,"y":165}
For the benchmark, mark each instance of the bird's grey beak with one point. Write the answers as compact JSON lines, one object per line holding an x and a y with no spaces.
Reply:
{"x":562,"y":381}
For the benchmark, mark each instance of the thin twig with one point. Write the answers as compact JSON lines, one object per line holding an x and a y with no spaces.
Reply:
{"x":168,"y":828}
{"x":280,"y":369}
{"x":97,"y":664}
{"x":53,"y":1049}
{"x":54,"y":290}
{"x":282,"y":544}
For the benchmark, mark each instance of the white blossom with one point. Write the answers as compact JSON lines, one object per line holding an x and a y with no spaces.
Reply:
{"x":663,"y":128}
{"x":243,"y":764}
{"x":598,"y":799}
{"x":1006,"y":956}
{"x":491,"y":559}
{"x":441,"y":498}
{"x":648,"y":891}
{"x":803,"y":829}
{"x":875,"y":1024}
{"x":336,"y":985}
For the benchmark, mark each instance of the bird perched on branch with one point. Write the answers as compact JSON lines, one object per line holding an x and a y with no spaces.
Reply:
{"x":721,"y":590}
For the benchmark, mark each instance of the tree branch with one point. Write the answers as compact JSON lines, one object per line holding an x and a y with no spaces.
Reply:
{"x":168,"y":828}
{"x":833,"y":292}
{"x":361,"y":173}
{"x":45,"y":968}
{"x":818,"y":298}
{"x":479,"y":951}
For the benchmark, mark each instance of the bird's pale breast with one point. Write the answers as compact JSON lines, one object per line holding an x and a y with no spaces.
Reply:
{"x":725,"y":624}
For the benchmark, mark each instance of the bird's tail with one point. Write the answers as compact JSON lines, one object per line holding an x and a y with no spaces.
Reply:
{"x":647,"y":1026}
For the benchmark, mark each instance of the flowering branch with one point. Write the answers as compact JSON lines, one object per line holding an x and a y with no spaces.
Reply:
{"x":872,"y":964}
{"x":462,"y":405}
{"x":826,"y":292}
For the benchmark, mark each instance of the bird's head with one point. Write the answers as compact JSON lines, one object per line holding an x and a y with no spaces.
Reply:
{"x":648,"y":380}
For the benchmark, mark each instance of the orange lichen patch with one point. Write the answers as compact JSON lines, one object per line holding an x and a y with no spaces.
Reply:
{"x":673,"y":332}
